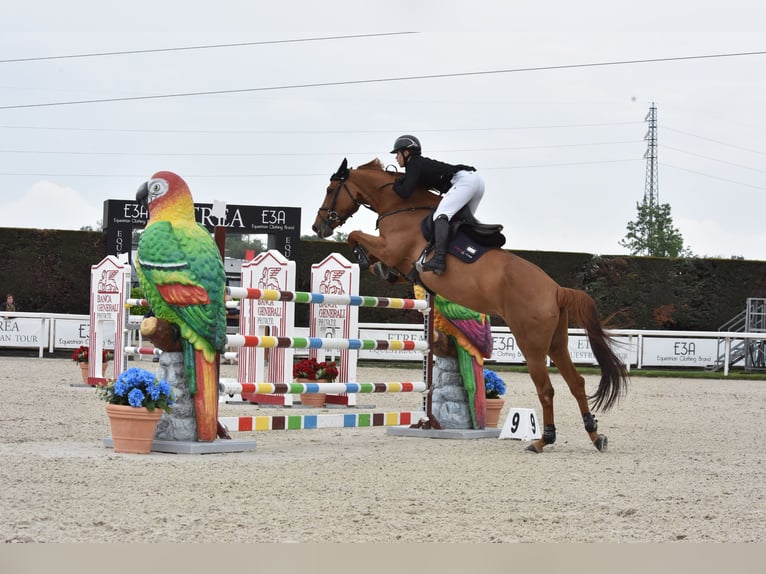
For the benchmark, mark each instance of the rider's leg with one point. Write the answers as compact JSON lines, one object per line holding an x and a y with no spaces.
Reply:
{"x":438,"y":262}
{"x":467,"y":189}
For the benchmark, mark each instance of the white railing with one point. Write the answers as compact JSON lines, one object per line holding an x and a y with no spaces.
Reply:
{"x":636,"y":347}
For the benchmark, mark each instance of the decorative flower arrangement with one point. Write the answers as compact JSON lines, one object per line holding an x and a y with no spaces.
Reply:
{"x":80,"y":355}
{"x":313,"y":370}
{"x":494,"y":386}
{"x":138,"y":388}
{"x":327,"y":371}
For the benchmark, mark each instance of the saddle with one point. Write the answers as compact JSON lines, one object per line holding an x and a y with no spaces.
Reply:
{"x":469,"y":239}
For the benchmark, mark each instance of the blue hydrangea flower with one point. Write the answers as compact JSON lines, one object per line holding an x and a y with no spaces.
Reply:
{"x":139,"y":388}
{"x":121,"y":387}
{"x":136,"y":398}
{"x":494,"y":386}
{"x":165,"y":388}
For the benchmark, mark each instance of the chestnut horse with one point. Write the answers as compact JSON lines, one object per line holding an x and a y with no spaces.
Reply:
{"x":533,"y":305}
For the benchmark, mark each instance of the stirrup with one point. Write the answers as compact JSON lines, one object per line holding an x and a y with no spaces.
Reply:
{"x":434,"y":266}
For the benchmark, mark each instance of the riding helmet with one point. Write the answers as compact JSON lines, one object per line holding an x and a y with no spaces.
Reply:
{"x":406,"y":142}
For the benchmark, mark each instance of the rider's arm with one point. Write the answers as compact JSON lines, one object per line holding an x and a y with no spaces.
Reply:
{"x":405,"y":185}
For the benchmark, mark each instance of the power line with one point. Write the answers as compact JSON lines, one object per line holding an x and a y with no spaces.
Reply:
{"x":332,"y":131}
{"x":290,"y":175}
{"x":715,"y":141}
{"x":664,"y":147}
{"x":201,"y":47}
{"x":384,"y":80}
{"x":712,"y":176}
{"x":298,"y":154}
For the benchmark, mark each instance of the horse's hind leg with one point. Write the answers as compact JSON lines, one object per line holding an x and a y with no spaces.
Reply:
{"x":559,"y":353}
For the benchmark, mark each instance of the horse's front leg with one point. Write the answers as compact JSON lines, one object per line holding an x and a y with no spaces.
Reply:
{"x":371,"y":248}
{"x":370,"y":255}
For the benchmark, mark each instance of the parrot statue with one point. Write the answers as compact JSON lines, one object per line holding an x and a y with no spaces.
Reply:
{"x":472,"y":334}
{"x":181,"y":272}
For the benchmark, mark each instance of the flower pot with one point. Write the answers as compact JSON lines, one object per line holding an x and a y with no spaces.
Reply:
{"x":313,"y":399}
{"x":84,"y":371}
{"x":133,"y":428}
{"x":494,"y":406}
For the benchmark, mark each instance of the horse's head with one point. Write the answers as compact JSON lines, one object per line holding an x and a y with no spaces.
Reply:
{"x":350,"y":189}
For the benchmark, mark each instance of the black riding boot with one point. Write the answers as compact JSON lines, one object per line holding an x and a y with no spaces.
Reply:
{"x":437,"y":263}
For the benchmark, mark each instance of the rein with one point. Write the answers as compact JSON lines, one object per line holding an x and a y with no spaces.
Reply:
{"x":342,"y":177}
{"x":400,"y":210}
{"x":382,"y":216}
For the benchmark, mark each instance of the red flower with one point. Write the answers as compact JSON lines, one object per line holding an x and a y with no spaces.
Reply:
{"x":305,"y":369}
{"x":327,"y":371}
{"x":81,"y":354}
{"x":314,"y":371}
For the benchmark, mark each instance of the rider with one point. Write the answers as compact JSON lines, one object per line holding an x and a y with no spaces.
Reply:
{"x":460,"y":184}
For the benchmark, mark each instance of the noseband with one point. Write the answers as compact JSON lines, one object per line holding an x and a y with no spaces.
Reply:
{"x":333,"y":217}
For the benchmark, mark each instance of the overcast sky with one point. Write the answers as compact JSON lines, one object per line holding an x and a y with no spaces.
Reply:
{"x":560,"y":147}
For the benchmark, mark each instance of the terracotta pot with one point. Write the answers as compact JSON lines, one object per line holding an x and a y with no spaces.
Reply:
{"x":133,"y":428}
{"x":494,"y":406}
{"x":313,"y":399}
{"x":84,"y":371}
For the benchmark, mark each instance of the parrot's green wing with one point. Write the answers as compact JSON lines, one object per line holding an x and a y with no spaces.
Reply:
{"x":181,"y":272}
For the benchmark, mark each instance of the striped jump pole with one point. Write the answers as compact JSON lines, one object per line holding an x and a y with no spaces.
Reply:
{"x":327,"y":298}
{"x":301,"y":422}
{"x":143,"y":351}
{"x":231,"y":387}
{"x":236,"y":341}
{"x":230,"y":355}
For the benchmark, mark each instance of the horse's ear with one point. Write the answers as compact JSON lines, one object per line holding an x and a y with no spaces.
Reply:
{"x":342,"y":172}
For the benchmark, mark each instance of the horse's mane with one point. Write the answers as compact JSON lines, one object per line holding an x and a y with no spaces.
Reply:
{"x":374,"y":164}
{"x":377,"y":165}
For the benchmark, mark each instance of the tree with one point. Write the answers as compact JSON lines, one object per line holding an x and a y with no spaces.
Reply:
{"x":338,"y":237}
{"x":653,"y":234}
{"x":237,"y":245}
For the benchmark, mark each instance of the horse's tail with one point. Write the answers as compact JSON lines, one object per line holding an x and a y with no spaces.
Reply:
{"x":614,"y":377}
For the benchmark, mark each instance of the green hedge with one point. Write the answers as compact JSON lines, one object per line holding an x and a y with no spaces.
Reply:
{"x":49,"y":271}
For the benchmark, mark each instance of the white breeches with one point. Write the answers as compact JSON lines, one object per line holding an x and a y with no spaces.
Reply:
{"x":467,"y":189}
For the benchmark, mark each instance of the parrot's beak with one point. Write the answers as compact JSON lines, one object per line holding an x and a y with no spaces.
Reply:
{"x":142,"y":195}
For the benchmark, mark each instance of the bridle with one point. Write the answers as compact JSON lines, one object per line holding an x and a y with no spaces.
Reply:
{"x":335,"y":219}
{"x":333,"y":216}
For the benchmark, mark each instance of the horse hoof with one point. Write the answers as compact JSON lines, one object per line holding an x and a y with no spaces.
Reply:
{"x":532,"y":448}
{"x":600,"y":443}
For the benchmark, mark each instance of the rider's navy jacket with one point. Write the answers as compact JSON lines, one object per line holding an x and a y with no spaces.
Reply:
{"x":429,"y":172}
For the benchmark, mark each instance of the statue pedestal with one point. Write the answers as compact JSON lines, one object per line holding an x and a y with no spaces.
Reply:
{"x":181,"y":423}
{"x":449,"y":400}
{"x":177,"y":432}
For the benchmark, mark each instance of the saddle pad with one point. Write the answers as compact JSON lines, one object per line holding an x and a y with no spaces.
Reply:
{"x":465,"y":248}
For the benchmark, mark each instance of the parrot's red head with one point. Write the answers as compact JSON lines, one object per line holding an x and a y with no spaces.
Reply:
{"x":166,"y":196}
